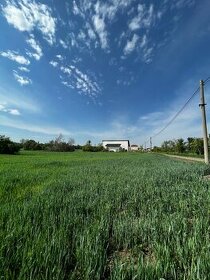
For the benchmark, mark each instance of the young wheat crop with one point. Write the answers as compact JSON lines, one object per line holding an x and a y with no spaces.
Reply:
{"x":103,"y":216}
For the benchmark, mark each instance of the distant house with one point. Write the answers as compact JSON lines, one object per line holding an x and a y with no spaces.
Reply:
{"x":134,"y":147}
{"x":116,"y":145}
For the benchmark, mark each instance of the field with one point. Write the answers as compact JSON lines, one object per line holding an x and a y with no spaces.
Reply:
{"x":103,"y":216}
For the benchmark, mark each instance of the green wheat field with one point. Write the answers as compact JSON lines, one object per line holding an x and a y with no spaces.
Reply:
{"x":103,"y":216}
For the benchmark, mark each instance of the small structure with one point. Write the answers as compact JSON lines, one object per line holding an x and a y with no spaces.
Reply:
{"x":134,"y":147}
{"x":116,"y":145}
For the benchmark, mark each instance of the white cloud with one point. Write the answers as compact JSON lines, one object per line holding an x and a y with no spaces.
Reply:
{"x":179,"y":4}
{"x":143,"y":41}
{"x":90,"y":32}
{"x":75,"y":10}
{"x":147,"y":55}
{"x":15,"y":57}
{"x":81,"y":36}
{"x":35,"y":45}
{"x":130,"y":45}
{"x":105,"y":12}
{"x":109,"y":10}
{"x":66,"y":70}
{"x":54,"y":63}
{"x":102,"y":14}
{"x":67,"y":84}
{"x":22,"y":80}
{"x":24,"y":69}
{"x":80,"y":81}
{"x":27,"y":15}
{"x":97,"y":16}
{"x":145,"y":51}
{"x":5,"y":109}
{"x":63,"y":44}
{"x":14,"y":112}
{"x":16,"y":98}
{"x":143,"y":19}
{"x":2,"y":107}
{"x":43,"y":129}
{"x":100,"y":29}
{"x":60,"y":57}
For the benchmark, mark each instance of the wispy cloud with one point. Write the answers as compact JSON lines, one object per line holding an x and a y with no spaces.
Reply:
{"x":75,"y":9}
{"x":179,"y":4}
{"x":147,"y":54}
{"x":36,"y":47}
{"x":5,"y":109}
{"x":15,"y":56}
{"x":67,"y":70}
{"x":32,"y":127}
{"x":130,"y":45}
{"x":63,"y":44}
{"x":60,"y":57}
{"x":15,"y":98}
{"x":97,"y":18}
{"x":27,"y":15}
{"x":100,"y":29}
{"x":53,"y":63}
{"x":144,"y":18}
{"x":80,"y":81}
{"x":24,"y":69}
{"x":23,"y":81}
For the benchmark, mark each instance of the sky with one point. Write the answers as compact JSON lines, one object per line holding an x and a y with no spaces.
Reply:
{"x":96,"y":69}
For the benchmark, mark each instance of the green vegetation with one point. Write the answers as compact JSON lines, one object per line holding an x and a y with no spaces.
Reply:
{"x":103,"y":216}
{"x":193,"y":146}
{"x":7,"y":146}
{"x":57,"y":145}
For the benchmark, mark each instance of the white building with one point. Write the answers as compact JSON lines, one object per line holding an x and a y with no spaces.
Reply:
{"x":134,"y":147}
{"x":116,"y":145}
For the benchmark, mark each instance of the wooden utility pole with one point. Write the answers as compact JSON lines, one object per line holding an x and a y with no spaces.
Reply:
{"x":205,"y":133}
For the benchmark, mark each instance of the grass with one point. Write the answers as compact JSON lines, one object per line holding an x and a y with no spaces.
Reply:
{"x":185,"y":154}
{"x":103,"y":216}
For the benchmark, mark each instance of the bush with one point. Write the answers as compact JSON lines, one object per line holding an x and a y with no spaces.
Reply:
{"x":7,"y":146}
{"x":32,"y":145}
{"x":90,"y":148}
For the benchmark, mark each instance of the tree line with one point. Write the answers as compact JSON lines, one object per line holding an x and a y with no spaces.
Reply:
{"x":59,"y":144}
{"x":192,"y":145}
{"x":7,"y":146}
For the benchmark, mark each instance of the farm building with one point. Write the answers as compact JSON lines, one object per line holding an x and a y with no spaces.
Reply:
{"x":134,"y":147}
{"x":116,"y":145}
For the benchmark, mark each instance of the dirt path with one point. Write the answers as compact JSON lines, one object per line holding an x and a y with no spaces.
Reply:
{"x":186,"y":158}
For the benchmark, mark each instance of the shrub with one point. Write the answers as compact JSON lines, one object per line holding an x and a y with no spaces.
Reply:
{"x":7,"y":146}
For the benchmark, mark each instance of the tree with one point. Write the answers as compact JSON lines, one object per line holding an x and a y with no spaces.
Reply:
{"x":189,"y":144}
{"x":7,"y":146}
{"x":88,"y":143}
{"x":197,"y":146}
{"x":168,"y":146}
{"x":71,"y":141}
{"x":180,"y":145}
{"x":59,"y":144}
{"x":31,"y":145}
{"x":89,"y":148}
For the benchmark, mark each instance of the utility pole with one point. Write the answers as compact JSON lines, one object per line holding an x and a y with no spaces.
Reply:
{"x":205,"y":133}
{"x":150,"y":140}
{"x":145,"y":146}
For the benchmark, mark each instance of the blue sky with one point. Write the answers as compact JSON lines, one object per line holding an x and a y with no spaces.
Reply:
{"x":102,"y":69}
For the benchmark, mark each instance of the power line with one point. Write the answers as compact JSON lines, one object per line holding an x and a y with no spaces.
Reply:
{"x":206,"y":80}
{"x":178,"y":113}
